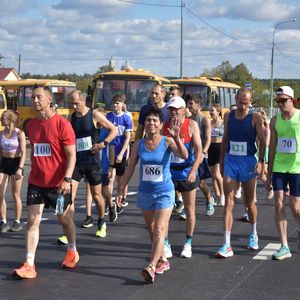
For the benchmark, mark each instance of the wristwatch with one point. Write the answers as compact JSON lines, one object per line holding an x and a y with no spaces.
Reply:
{"x":262,"y":160}
{"x":68,"y":179}
{"x":105,"y":142}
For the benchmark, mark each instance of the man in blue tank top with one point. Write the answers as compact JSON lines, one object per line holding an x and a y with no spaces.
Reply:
{"x":238,"y":164}
{"x":86,"y":124}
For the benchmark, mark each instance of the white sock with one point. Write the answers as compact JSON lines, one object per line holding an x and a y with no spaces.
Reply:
{"x":72,"y":246}
{"x":17,"y":221}
{"x":227,"y":235}
{"x":30,"y":259}
{"x":4,"y":221}
{"x":253,"y":230}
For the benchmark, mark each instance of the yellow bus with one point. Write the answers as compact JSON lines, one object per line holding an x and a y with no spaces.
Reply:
{"x":136,"y":85}
{"x":21,"y":90}
{"x":3,"y":103}
{"x":211,"y":89}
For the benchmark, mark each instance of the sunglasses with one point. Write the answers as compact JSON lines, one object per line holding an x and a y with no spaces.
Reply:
{"x":282,"y":100}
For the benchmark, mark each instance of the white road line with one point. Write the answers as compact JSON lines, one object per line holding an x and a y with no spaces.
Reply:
{"x":43,"y":219}
{"x":266,"y":253}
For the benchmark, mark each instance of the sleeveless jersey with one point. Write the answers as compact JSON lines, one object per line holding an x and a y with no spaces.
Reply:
{"x":287,"y":155}
{"x":200,"y":122}
{"x":86,"y":136}
{"x":10,"y":145}
{"x":217,"y":131}
{"x":241,"y":136}
{"x":155,"y":173}
{"x":180,"y":167}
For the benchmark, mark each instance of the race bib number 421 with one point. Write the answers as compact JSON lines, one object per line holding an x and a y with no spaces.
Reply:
{"x":238,"y":148}
{"x":153,"y":173}
{"x":42,"y":149}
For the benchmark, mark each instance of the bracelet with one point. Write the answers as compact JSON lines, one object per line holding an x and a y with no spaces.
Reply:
{"x":203,"y":152}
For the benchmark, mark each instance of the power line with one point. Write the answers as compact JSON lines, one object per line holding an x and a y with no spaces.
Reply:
{"x":285,"y":56}
{"x":149,"y":4}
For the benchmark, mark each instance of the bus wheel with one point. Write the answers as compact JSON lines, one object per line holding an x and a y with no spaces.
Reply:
{"x":24,"y":126}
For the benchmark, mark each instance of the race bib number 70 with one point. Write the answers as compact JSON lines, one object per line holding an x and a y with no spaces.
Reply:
{"x":286,"y":145}
{"x":42,"y":149}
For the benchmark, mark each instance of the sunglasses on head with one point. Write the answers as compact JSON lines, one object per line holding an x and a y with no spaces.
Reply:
{"x":282,"y":100}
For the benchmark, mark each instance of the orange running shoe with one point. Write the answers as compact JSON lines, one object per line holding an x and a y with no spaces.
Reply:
{"x":71,"y":259}
{"x":25,"y":272}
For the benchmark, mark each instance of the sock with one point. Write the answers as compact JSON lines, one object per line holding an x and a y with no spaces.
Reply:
{"x":227,"y":235}
{"x":30,"y":259}
{"x":72,"y":246}
{"x":100,"y":222}
{"x":4,"y":221}
{"x":17,"y":221}
{"x":253,"y":230}
{"x":189,"y":239}
{"x":167,"y":241}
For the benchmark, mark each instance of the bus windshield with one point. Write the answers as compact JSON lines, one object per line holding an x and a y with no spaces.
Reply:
{"x":137,"y":92}
{"x":1,"y":101}
{"x":203,"y":91}
{"x":60,"y":96}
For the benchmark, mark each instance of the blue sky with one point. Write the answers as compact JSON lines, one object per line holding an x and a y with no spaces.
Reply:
{"x":55,"y":36}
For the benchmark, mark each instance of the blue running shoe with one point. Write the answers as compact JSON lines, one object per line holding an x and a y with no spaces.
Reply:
{"x":210,"y":210}
{"x":282,"y":253}
{"x":224,"y":252}
{"x":253,"y":242}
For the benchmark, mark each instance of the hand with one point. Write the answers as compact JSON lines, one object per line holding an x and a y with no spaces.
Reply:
{"x":119,"y":159}
{"x":65,"y":188}
{"x":96,"y":148}
{"x":268,"y":184}
{"x":18,"y":174}
{"x":191,"y":177}
{"x":118,"y":200}
{"x":258,"y":169}
{"x":174,"y":128}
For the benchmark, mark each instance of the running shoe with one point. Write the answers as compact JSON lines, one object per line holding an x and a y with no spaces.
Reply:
{"x":168,"y":251}
{"x":124,"y":202}
{"x":120,"y":210}
{"x":25,"y":272}
{"x":282,"y":253}
{"x":62,"y":240}
{"x":238,"y":193}
{"x":15,"y":227}
{"x":102,"y":231}
{"x":4,"y":227}
{"x":162,"y":266}
{"x":71,"y":259}
{"x":106,"y":209}
{"x":178,"y":207}
{"x":186,"y":251}
{"x":210,"y":210}
{"x":113,"y":216}
{"x":270,"y":194}
{"x":88,"y":222}
{"x":224,"y":252}
{"x":245,"y":217}
{"x":182,"y":215}
{"x":149,"y":274}
{"x":252,"y":242}
{"x":222,"y":200}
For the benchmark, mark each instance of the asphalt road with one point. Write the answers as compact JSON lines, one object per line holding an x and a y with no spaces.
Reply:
{"x":110,"y":268}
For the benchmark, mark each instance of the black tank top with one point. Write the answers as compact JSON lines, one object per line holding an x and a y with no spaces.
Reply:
{"x":86,"y":136}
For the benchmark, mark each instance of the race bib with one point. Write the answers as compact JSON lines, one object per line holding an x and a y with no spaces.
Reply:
{"x":175,"y":159}
{"x":287,"y":145}
{"x":215,"y":132}
{"x":152,"y":173}
{"x":238,"y":148}
{"x":83,"y":144}
{"x":41,"y":149}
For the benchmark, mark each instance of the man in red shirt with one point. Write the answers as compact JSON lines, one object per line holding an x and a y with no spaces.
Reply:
{"x":53,"y":158}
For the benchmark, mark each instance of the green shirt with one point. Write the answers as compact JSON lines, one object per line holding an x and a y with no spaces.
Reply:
{"x":287,"y":155}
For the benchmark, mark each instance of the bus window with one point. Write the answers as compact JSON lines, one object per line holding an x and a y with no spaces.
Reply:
{"x":221,"y":96}
{"x":60,"y":96}
{"x":25,"y":96}
{"x":227,"y":97}
{"x":232,"y":95}
{"x":1,"y":101}
{"x":202,"y":91}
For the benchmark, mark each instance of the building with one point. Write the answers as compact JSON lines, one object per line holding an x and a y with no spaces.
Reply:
{"x":9,"y":74}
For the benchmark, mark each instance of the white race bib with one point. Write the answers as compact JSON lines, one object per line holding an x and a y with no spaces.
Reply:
{"x":215,"y":132}
{"x":152,"y":173}
{"x":238,"y":148}
{"x":287,"y":145}
{"x":83,"y":144}
{"x":41,"y":149}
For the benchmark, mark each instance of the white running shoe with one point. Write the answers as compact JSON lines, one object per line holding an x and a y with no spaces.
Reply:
{"x":187,"y":251}
{"x":238,"y":193}
{"x":168,"y":251}
{"x":222,"y":200}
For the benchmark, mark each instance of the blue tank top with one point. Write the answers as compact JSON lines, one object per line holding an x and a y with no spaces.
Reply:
{"x":86,"y":136}
{"x":155,"y":175}
{"x":241,"y":136}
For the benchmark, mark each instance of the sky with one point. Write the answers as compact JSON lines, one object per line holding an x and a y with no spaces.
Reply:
{"x":78,"y":36}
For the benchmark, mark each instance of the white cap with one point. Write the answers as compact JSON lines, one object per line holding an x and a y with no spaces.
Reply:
{"x":176,"y":102}
{"x":285,"y":90}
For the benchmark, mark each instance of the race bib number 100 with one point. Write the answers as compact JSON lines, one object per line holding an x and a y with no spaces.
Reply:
{"x":238,"y":148}
{"x":42,"y":149}
{"x":287,"y":145}
{"x":153,"y":173}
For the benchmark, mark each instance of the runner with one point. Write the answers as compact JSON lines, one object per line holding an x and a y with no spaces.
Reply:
{"x":53,"y":158}
{"x":241,"y":127}
{"x":284,"y":165}
{"x":185,"y":171}
{"x":13,"y":155}
{"x":86,"y":124}
{"x":156,"y":191}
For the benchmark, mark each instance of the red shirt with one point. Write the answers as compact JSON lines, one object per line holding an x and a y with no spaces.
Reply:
{"x":48,"y":158}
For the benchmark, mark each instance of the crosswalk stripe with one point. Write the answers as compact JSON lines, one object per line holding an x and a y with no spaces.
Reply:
{"x":266,"y":252}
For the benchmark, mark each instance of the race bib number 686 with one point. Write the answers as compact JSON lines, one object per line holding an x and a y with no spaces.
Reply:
{"x":153,"y":173}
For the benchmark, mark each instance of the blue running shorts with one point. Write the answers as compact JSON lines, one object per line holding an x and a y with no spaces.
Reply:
{"x":155,"y":201}
{"x":281,"y":181}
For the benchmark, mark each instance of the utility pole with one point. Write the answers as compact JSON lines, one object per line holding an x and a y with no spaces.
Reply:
{"x":181,"y":38}
{"x":1,"y":57}
{"x":19,"y":65}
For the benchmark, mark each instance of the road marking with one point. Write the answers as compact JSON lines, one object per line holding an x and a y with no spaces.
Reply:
{"x":131,"y":193}
{"x":43,"y":219}
{"x":266,"y":253}
{"x":83,"y":206}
